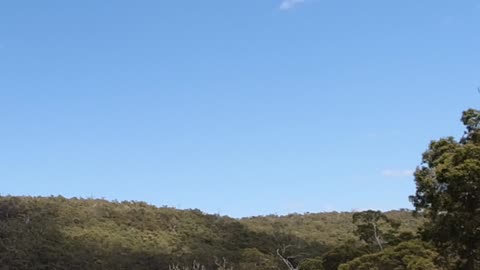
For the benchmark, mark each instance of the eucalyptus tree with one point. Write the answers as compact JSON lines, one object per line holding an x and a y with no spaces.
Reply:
{"x":448,"y":193}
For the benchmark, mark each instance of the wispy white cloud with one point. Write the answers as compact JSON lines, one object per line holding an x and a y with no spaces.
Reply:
{"x":289,"y":4}
{"x":397,"y":173}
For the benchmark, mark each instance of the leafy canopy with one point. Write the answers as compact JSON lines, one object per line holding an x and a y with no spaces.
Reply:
{"x":448,"y":193}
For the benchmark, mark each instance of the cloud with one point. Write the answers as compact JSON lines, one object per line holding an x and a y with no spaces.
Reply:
{"x":397,"y":173}
{"x":289,"y":4}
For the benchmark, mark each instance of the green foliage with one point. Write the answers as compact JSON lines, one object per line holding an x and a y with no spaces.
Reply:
{"x":312,"y":264}
{"x":252,"y":258}
{"x":343,"y":253}
{"x":329,"y":228}
{"x":58,"y":233}
{"x":412,"y":255}
{"x":371,"y":228}
{"x":448,"y":193}
{"x":55,"y":233}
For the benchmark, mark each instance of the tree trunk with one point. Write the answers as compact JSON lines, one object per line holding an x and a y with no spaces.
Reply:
{"x":379,"y":243}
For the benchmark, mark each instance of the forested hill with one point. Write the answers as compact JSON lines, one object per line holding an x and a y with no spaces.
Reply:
{"x":60,"y":233}
{"x":329,"y":228}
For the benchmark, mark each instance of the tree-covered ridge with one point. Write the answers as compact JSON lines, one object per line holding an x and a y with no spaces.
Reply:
{"x":443,"y":233}
{"x":329,"y":228}
{"x":60,"y":233}
{"x":97,"y":234}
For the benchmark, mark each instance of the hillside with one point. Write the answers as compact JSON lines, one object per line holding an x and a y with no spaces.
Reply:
{"x":59,"y":233}
{"x":328,"y":228}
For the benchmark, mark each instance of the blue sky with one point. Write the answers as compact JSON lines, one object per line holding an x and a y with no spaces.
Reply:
{"x":233,"y":107}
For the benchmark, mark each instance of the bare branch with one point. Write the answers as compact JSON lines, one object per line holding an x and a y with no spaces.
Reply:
{"x":222,"y":265}
{"x":377,"y":238}
{"x":285,"y":259}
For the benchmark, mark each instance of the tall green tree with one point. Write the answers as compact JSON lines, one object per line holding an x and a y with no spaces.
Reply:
{"x":448,"y":193}
{"x":371,"y":227}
